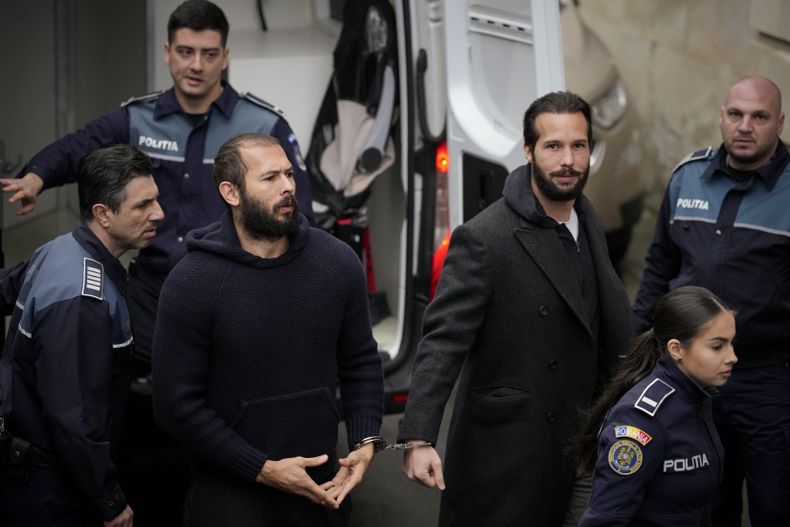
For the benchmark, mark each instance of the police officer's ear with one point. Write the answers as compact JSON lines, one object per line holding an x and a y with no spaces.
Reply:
{"x":230,"y":193}
{"x":675,"y":350}
{"x":101,"y":214}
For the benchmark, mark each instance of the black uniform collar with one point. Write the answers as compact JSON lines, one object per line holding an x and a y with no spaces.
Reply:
{"x":225,"y":103}
{"x":682,"y":382}
{"x":112,"y":266}
{"x":769,"y":172}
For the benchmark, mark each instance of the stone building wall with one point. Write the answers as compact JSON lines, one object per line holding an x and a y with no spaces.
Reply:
{"x":679,"y":57}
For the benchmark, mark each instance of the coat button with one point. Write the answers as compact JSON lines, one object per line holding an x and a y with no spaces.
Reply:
{"x":551,"y":418}
{"x":553,"y":364}
{"x":543,"y":311}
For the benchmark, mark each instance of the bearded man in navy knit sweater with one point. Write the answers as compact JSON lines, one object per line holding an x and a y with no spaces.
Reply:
{"x":255,"y":327}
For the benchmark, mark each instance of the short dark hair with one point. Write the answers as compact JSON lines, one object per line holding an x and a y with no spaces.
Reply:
{"x":229,"y":165}
{"x":104,"y":174}
{"x":555,"y":102}
{"x":198,"y":15}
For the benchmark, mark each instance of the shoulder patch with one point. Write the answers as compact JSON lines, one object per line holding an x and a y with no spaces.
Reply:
{"x":142,"y":98}
{"x":254,"y":99}
{"x":625,"y":457}
{"x":653,"y":396}
{"x":92,"y":278}
{"x":694,"y":156}
{"x":634,"y":433}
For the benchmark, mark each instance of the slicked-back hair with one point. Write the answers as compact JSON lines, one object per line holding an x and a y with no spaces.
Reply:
{"x":198,"y":15}
{"x":555,"y":102}
{"x":229,"y":164}
{"x":104,"y":174}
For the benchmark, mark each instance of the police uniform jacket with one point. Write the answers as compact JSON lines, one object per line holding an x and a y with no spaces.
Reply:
{"x":659,"y":455}
{"x":182,"y":152}
{"x":508,"y":309}
{"x":64,"y":373}
{"x":728,"y":232}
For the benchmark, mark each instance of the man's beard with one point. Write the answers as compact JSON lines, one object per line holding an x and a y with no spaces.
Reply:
{"x":261,"y":224}
{"x":552,"y":191}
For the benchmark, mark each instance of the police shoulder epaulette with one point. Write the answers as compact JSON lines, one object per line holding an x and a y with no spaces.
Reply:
{"x":653,"y":395}
{"x":92,"y":278}
{"x":142,"y":98}
{"x":694,"y":156}
{"x":254,"y":99}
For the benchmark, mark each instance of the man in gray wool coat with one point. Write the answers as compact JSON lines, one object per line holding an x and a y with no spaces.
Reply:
{"x":529,"y":305}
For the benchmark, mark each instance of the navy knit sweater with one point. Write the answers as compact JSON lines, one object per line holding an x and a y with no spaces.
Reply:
{"x":248,"y":351}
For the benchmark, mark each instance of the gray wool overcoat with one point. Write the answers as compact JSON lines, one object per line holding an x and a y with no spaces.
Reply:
{"x":509,"y":310}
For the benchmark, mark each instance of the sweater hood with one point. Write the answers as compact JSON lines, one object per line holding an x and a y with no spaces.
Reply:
{"x":220,"y":238}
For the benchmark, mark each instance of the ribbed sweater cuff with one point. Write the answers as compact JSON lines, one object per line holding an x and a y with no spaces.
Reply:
{"x":360,"y":427}
{"x":249,"y":462}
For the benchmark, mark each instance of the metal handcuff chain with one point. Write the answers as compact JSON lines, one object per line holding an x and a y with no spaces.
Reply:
{"x":379,"y":444}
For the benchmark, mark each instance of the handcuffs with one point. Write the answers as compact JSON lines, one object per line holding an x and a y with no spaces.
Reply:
{"x":379,"y":444}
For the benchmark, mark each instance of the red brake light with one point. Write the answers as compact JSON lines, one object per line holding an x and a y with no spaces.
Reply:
{"x":442,"y":158}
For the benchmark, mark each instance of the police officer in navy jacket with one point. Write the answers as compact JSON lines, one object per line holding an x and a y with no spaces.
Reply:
{"x":657,"y":458}
{"x":725,"y":225}
{"x":65,"y":369}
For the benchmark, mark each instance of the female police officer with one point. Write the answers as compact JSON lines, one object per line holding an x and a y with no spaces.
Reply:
{"x":658,"y":456}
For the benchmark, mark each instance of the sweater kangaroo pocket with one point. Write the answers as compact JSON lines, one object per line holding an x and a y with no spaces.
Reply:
{"x":296,"y":424}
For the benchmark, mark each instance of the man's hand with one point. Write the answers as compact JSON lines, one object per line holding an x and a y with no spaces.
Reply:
{"x":289,"y":475}
{"x":25,"y":190}
{"x":423,"y":465}
{"x":122,"y":520}
{"x":352,"y":470}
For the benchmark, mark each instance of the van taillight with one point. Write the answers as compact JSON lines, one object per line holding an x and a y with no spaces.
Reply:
{"x":441,"y":232}
{"x":442,"y":158}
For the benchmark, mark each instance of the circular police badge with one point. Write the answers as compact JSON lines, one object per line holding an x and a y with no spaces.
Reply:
{"x":625,"y":457}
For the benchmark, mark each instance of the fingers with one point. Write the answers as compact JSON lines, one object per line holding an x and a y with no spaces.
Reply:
{"x":24,"y":190}
{"x":352,"y":482}
{"x":318,"y":495}
{"x":438,"y":476}
{"x":26,"y":207}
{"x":314,"y":461}
{"x":424,"y":466}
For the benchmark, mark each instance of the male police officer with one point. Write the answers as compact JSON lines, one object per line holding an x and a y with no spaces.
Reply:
{"x":65,"y":369}
{"x":725,"y":225}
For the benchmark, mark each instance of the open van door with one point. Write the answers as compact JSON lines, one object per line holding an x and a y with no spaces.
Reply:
{"x":478,"y":67}
{"x":501,"y":55}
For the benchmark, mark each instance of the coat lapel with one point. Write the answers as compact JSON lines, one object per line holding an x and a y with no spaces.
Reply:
{"x":546,"y":250}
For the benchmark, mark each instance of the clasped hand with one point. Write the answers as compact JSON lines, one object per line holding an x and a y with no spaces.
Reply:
{"x":290,"y":475}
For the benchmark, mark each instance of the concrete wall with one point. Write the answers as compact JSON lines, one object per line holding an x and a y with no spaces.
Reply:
{"x":679,"y":57}
{"x":66,"y":63}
